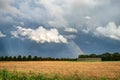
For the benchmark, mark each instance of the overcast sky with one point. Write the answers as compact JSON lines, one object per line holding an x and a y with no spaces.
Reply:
{"x":59,"y":28}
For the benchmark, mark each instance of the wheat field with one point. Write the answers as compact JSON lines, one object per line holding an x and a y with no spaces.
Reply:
{"x":64,"y":68}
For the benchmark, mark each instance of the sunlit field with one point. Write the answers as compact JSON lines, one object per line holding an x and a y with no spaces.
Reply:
{"x":109,"y":70}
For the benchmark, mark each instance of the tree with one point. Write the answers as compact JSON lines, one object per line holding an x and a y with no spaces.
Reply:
{"x":19,"y":58}
{"x":6,"y":58}
{"x":14,"y":58}
{"x":116,"y":56}
{"x":2,"y":58}
{"x":24,"y":58}
{"x":35,"y":58}
{"x":106,"y":57}
{"x":83,"y":56}
{"x":92,"y":55}
{"x":29,"y":57}
{"x":10,"y":58}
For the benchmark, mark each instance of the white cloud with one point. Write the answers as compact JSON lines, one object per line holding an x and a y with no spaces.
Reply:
{"x":40,"y":35}
{"x":73,"y":30}
{"x":2,"y":35}
{"x":87,"y":17}
{"x":111,"y":31}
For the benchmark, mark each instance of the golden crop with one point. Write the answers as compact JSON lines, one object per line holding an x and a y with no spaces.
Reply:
{"x":93,"y":69}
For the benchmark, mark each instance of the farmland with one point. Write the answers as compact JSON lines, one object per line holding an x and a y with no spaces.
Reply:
{"x":110,"y":70}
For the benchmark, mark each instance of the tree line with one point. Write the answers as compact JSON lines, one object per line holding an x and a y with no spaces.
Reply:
{"x":104,"y":57}
{"x":33,"y":58}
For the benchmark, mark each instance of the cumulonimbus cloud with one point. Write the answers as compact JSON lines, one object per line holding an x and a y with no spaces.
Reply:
{"x":111,"y":30}
{"x":40,"y":35}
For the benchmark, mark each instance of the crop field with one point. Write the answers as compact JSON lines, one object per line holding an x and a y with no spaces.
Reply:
{"x":95,"y":70}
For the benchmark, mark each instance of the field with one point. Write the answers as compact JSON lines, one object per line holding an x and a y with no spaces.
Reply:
{"x":95,"y":70}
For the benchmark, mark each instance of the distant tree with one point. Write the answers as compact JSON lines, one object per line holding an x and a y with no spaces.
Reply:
{"x":106,"y":57}
{"x":29,"y":57}
{"x":14,"y":58}
{"x":83,"y":56}
{"x":35,"y":58}
{"x":40,"y":58}
{"x":19,"y":58}
{"x":10,"y":58}
{"x":24,"y":58}
{"x":116,"y":56}
{"x":92,"y":55}
{"x":1,"y":58}
{"x":6,"y":58}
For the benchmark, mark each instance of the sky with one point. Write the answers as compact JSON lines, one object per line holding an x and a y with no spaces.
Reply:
{"x":59,"y":28}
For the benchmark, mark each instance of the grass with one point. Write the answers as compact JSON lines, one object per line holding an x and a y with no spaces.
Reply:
{"x":7,"y":75}
{"x":59,"y":70}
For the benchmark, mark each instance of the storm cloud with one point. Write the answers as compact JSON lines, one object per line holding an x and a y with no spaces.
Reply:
{"x":81,"y":23}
